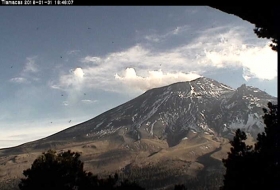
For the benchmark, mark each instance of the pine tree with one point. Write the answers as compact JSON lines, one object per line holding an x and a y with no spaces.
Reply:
{"x":63,"y":171}
{"x":180,"y":187}
{"x":235,"y":170}
{"x":258,"y":167}
{"x":267,"y":150}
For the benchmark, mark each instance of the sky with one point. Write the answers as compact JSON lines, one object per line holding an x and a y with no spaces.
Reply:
{"x":60,"y":66}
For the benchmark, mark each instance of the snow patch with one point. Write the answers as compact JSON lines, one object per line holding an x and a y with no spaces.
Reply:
{"x":98,"y":125}
{"x":256,"y":115}
{"x":154,"y":109}
{"x":240,"y":123}
{"x":230,"y":105}
{"x":133,"y":117}
{"x":152,"y":128}
{"x":193,"y":131}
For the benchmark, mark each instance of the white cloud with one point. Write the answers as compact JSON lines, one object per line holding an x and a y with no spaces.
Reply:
{"x":71,"y":84}
{"x":18,"y":80}
{"x":89,"y":101}
{"x":231,"y":49}
{"x":89,"y":59}
{"x":259,"y":62}
{"x":170,"y":33}
{"x":71,"y":52}
{"x":30,"y":65}
{"x":152,"y":38}
{"x":73,"y":80}
{"x":154,"y":79}
{"x":78,"y":72}
{"x":217,"y":47}
{"x":176,"y":31}
{"x":27,"y":74}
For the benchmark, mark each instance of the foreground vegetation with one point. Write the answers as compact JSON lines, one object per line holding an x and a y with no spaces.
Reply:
{"x":64,"y":171}
{"x":258,"y":166}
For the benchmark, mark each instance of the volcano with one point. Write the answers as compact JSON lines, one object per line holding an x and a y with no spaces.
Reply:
{"x":174,"y":125}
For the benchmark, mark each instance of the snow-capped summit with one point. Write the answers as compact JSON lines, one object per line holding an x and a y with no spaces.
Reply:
{"x":170,"y":112}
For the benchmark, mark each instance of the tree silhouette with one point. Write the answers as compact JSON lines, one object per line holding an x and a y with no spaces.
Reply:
{"x":236,"y":170}
{"x":180,"y":187}
{"x":267,"y":150}
{"x":258,"y":167}
{"x":127,"y":185}
{"x":63,"y":171}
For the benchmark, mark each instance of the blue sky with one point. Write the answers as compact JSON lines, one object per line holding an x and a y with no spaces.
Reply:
{"x":64,"y":65}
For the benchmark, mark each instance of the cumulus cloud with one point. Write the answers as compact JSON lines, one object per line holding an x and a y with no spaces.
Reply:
{"x":79,"y":73}
{"x":154,"y":79}
{"x":146,"y":67}
{"x":232,"y":48}
{"x":259,"y":63}
{"x":73,"y":80}
{"x":72,"y":85}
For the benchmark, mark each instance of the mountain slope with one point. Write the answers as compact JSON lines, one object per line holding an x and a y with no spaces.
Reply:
{"x":171,"y":112}
{"x":172,"y":133}
{"x":200,"y":105}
